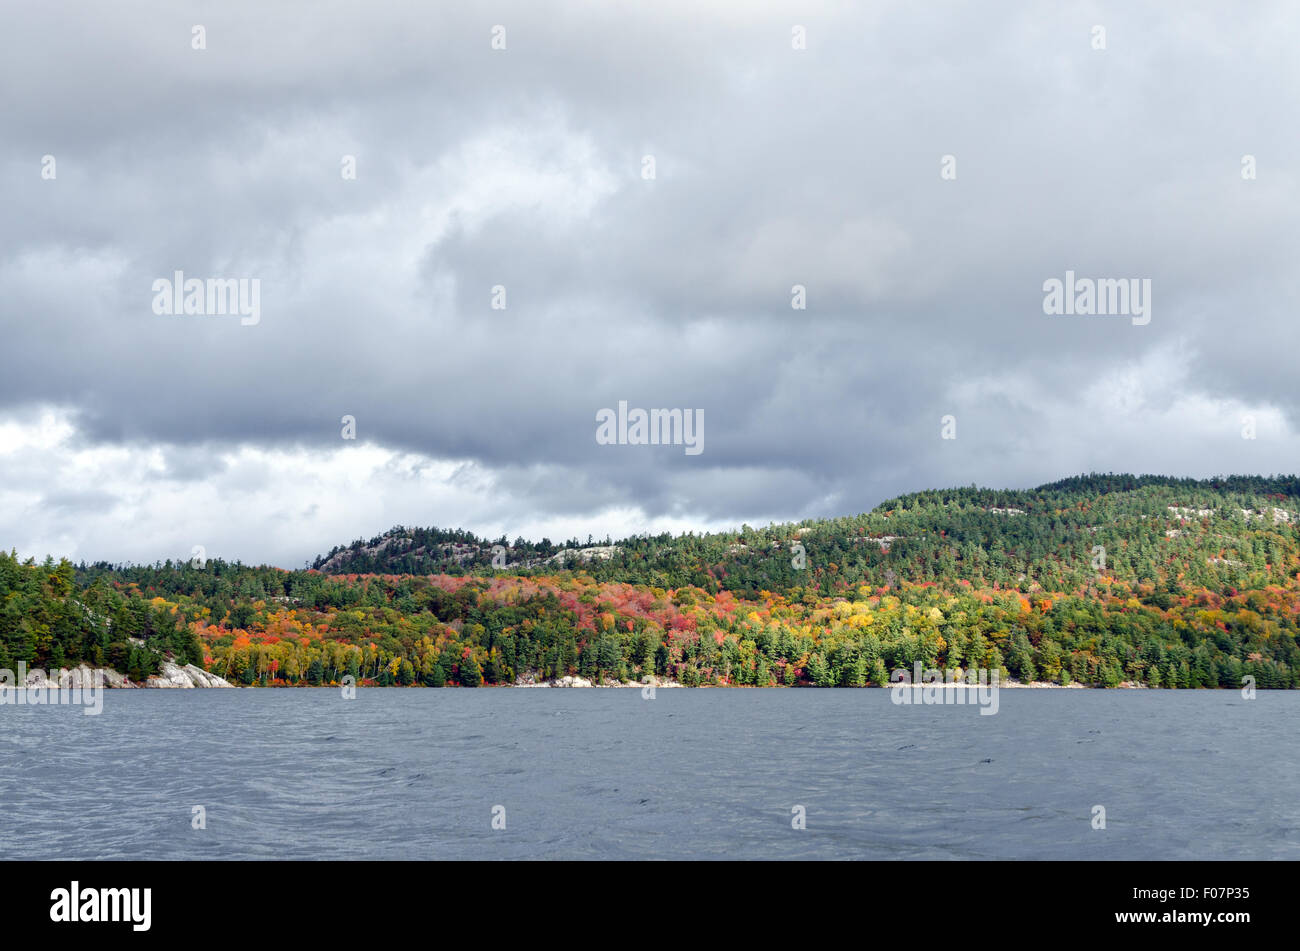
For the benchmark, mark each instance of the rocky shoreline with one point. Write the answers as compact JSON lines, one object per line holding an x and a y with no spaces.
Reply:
{"x":533,"y":680}
{"x":171,"y":676}
{"x":175,"y":676}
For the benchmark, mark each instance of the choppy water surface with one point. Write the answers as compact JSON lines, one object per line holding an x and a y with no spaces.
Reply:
{"x":415,"y":774}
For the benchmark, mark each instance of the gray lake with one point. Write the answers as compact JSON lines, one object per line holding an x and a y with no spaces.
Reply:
{"x":601,"y":774}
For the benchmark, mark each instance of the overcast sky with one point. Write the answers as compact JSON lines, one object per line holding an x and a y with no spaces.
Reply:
{"x":129,"y":435}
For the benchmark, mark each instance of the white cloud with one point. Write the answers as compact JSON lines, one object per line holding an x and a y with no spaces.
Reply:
{"x":275,"y":506}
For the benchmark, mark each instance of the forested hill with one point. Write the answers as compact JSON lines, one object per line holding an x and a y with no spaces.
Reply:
{"x":1236,"y":532}
{"x":1099,"y":580}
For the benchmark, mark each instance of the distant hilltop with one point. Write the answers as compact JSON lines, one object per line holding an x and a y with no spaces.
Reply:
{"x":1203,"y":531}
{"x":459,"y":554}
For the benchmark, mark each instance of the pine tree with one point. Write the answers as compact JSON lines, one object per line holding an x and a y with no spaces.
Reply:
{"x":471,"y":674}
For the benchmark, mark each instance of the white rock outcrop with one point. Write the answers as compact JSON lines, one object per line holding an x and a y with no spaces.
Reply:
{"x":185,"y":677}
{"x":83,"y":675}
{"x":533,"y":679}
{"x":596,"y":552}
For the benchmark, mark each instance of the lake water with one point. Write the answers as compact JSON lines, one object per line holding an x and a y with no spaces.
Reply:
{"x":416,"y":774}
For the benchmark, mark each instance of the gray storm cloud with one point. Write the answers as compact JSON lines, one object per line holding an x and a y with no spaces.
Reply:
{"x":522,"y":168}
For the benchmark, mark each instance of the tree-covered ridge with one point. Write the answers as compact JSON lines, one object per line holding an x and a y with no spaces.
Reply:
{"x":1192,"y":591}
{"x":1235,"y":532}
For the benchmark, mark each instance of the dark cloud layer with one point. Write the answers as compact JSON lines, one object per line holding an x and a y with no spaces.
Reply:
{"x":522,"y":168}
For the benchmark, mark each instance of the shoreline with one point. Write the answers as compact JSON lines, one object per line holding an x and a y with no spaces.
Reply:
{"x":170,"y":676}
{"x":627,"y":685}
{"x":173,"y":676}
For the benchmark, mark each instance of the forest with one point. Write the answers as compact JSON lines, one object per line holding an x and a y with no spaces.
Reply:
{"x":1099,"y":580}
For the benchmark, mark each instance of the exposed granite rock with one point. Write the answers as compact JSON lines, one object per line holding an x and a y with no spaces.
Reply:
{"x":185,"y":677}
{"x":532,"y":679}
{"x":83,"y":675}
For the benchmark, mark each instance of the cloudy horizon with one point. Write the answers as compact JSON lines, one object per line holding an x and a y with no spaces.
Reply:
{"x":643,"y":190}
